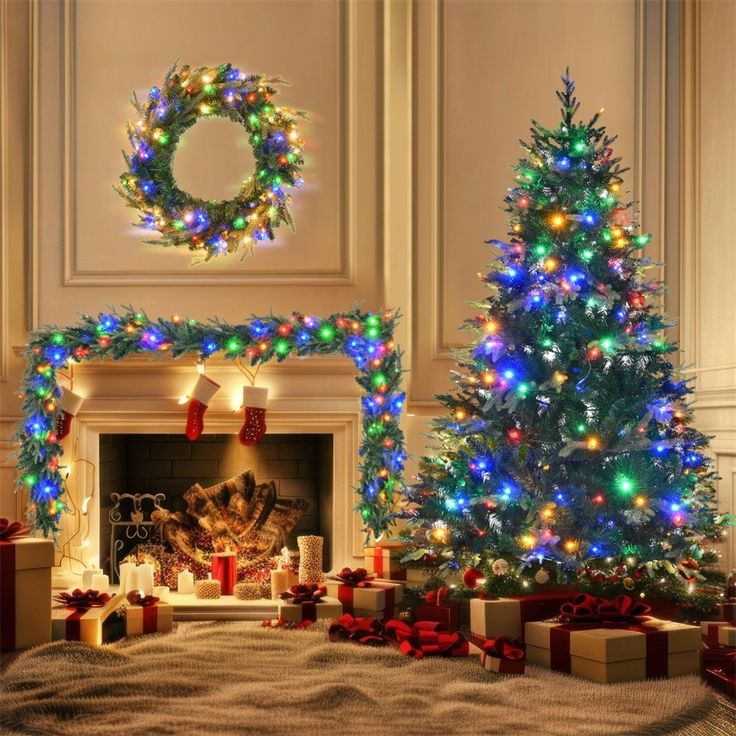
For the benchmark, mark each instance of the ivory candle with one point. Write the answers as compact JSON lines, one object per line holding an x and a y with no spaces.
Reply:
{"x":185,"y":582}
{"x":87,"y":576}
{"x":100,"y":583}
{"x":279,"y":582}
{"x":162,"y":592}
{"x":126,"y":573}
{"x":144,"y":578}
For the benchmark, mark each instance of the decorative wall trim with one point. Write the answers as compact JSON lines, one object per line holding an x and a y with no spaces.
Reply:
{"x":35,"y":215}
{"x":4,"y":284}
{"x":433,"y":243}
{"x":344,"y":272}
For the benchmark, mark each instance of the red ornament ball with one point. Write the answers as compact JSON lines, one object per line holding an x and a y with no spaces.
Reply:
{"x":473,"y":577}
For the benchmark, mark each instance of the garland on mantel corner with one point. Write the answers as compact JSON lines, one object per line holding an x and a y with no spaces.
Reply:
{"x":365,"y":337}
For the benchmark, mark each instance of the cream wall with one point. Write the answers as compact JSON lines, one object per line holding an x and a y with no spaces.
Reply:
{"x":416,"y":108}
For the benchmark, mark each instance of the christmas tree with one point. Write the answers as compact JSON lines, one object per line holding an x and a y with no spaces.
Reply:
{"x":568,"y":453}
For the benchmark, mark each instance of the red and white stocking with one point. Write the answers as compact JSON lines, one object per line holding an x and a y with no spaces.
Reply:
{"x":70,"y":403}
{"x":199,"y":400}
{"x":255,"y":401}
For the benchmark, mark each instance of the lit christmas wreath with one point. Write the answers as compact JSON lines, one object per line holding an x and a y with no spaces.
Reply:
{"x":210,"y":227}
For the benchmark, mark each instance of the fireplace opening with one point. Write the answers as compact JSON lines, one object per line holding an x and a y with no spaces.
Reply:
{"x":291,"y":475}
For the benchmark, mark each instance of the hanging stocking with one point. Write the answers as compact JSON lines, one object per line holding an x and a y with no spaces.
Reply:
{"x":255,"y":401}
{"x":70,"y":404}
{"x":199,"y":400}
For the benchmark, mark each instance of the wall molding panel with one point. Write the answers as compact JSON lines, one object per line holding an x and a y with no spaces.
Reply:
{"x":346,"y":254}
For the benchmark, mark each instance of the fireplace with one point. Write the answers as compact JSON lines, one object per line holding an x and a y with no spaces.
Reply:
{"x":138,"y":398}
{"x":158,"y":469}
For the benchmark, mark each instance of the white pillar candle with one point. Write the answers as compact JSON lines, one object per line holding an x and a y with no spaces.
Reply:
{"x":144,"y":578}
{"x":185,"y":582}
{"x":127,"y":575}
{"x":279,"y":582}
{"x":161,"y":591}
{"x":100,"y":583}
{"x":87,"y":576}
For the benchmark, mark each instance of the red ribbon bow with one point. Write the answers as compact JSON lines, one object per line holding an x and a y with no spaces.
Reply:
{"x":436,"y":597}
{"x":82,"y":600}
{"x":504,"y":647}
{"x":587,"y":608}
{"x":136,"y":599}
{"x":10,"y":530}
{"x":367,"y":631}
{"x":358,"y":578}
{"x":426,"y":638}
{"x":305,"y":593}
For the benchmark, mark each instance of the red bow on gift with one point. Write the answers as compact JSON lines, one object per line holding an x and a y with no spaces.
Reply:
{"x":426,"y":638}
{"x":587,"y":608}
{"x":436,"y":597}
{"x":358,"y":578}
{"x":10,"y":530}
{"x":504,"y":647}
{"x":82,"y":600}
{"x":368,"y":631}
{"x":136,"y":599}
{"x":305,"y":593}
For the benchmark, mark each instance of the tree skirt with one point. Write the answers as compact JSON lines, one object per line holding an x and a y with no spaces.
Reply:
{"x":238,"y":678}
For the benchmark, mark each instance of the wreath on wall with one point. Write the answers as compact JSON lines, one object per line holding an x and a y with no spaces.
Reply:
{"x":212,"y":228}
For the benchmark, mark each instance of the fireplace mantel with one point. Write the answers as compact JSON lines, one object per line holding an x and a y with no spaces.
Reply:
{"x":307,"y":396}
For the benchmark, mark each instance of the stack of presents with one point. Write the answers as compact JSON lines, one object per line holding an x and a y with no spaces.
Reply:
{"x":607,"y":640}
{"x":597,"y":639}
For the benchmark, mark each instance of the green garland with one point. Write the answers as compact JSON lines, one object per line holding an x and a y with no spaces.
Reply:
{"x":365,"y":337}
{"x":208,"y":227}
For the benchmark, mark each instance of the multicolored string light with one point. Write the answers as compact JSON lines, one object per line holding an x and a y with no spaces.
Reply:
{"x":365,"y":337}
{"x":212,"y":228}
{"x":568,"y":448}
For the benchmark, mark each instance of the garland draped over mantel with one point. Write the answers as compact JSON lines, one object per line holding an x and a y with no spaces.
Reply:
{"x":365,"y":337}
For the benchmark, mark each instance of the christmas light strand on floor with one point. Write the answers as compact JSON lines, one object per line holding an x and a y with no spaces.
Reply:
{"x":567,"y":453}
{"x":365,"y":337}
{"x":212,"y":228}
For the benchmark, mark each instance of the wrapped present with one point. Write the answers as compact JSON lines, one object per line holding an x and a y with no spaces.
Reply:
{"x":614,"y":652}
{"x":721,"y":680}
{"x":727,"y":636}
{"x":88,"y":616}
{"x":507,"y":616}
{"x":383,"y":615}
{"x":148,"y":615}
{"x":728,"y":611}
{"x":710,"y":630}
{"x":384,"y":561}
{"x":438,"y":609}
{"x":25,"y":587}
{"x":503,"y":655}
{"x":308,"y":602}
{"x":718,"y":668}
{"x":366,"y":597}
{"x":329,"y":608}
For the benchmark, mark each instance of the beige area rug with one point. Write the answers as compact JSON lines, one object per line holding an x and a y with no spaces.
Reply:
{"x":238,"y":678}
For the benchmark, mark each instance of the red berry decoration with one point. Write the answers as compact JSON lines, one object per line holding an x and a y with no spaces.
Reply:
{"x":473,"y":577}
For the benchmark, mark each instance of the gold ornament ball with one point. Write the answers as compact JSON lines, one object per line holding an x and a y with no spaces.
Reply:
{"x":629,"y":583}
{"x":500,"y":566}
{"x":541,"y":576}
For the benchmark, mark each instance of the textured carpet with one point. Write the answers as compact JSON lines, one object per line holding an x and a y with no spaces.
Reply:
{"x":238,"y":678}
